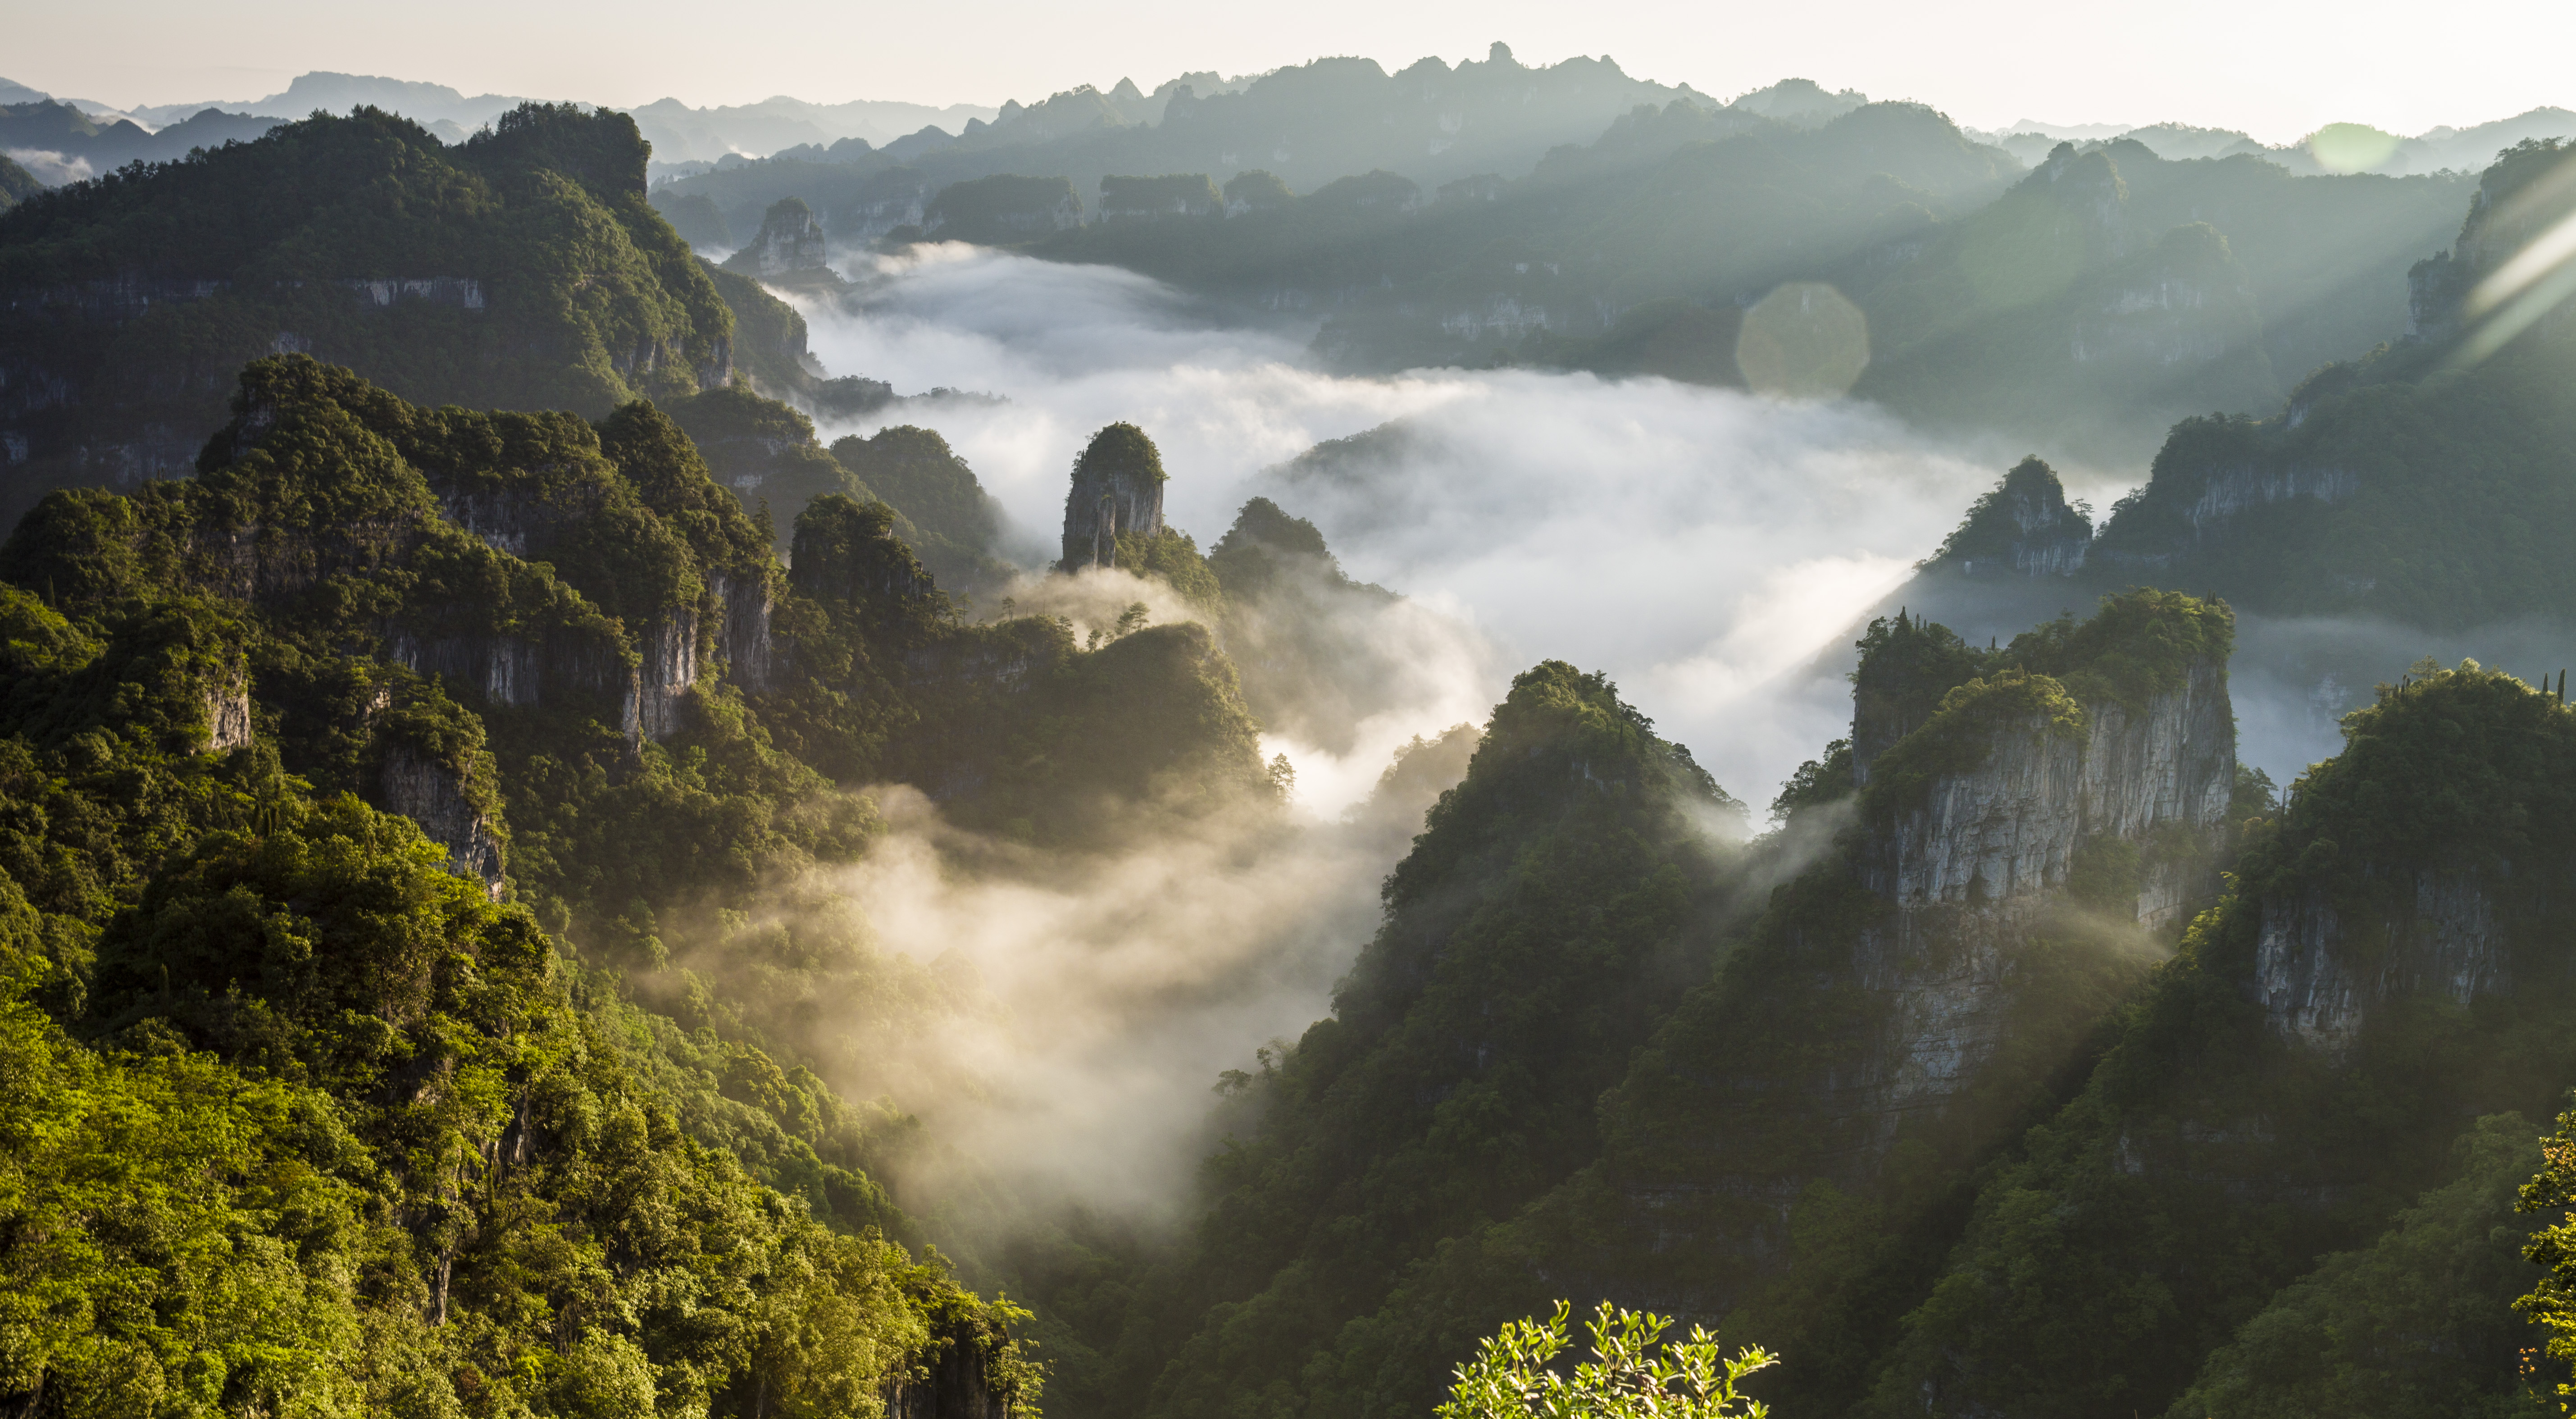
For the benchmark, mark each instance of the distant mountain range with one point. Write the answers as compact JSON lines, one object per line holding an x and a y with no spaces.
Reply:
{"x":684,"y":137}
{"x":677,"y":132}
{"x":2335,"y":148}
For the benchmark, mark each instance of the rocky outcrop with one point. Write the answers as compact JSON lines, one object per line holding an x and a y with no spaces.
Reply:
{"x":1117,"y":488}
{"x":790,"y":242}
{"x":743,"y":603}
{"x":2032,"y":821}
{"x":2318,"y":973}
{"x":429,"y":793}
{"x":1145,"y":199}
{"x":2023,"y":527}
{"x":954,"y":1384}
{"x":228,"y":713}
{"x":669,"y":646}
{"x":1992,"y":849}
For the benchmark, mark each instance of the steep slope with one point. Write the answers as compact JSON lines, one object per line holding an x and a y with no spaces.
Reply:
{"x":523,"y":270}
{"x":2112,"y":292}
{"x":373,"y":1142}
{"x":533,"y":698}
{"x":1552,"y":902}
{"x":2426,"y":482}
{"x":2389,"y":963}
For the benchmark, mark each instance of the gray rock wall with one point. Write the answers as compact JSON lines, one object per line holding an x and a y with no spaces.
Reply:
{"x":427,"y":792}
{"x":2319,"y":976}
{"x":1987,"y":856}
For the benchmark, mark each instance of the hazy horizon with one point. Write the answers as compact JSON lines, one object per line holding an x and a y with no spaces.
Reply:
{"x":2280,"y":73}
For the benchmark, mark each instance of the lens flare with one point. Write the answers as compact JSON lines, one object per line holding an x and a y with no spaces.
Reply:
{"x":2351,"y":147}
{"x":1805,"y":340}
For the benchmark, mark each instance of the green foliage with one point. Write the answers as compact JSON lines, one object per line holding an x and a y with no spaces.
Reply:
{"x":16,"y":183}
{"x":1553,"y":902}
{"x":600,"y":1163}
{"x":1633,"y":1372}
{"x":1173,"y":557}
{"x":1963,"y":730}
{"x":583,"y":298}
{"x":763,"y":448}
{"x":953,"y":523}
{"x":2428,"y":474}
{"x":2000,"y":522}
{"x":1817,"y":783}
{"x":2406,"y":1325}
{"x":1120,"y":451}
{"x":2060,"y":1289}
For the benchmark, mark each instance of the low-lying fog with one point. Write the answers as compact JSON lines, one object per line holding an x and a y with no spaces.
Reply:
{"x":1701,"y":546}
{"x":1710,"y":550}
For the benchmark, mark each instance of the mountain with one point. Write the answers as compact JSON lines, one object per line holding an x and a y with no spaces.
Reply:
{"x":1675,"y":208}
{"x":325,"y":92}
{"x":2112,"y":292}
{"x":2004,"y":1054}
{"x":2335,"y":148}
{"x":2368,"y":988}
{"x":331,"y":934}
{"x":523,"y":269}
{"x":681,"y":134}
{"x":1554,"y":902}
{"x":2420,"y":484}
{"x":1309,"y":124}
{"x":78,"y":141}
{"x":16,"y":184}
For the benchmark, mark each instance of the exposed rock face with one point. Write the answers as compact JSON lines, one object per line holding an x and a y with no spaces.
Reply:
{"x":2014,"y":837}
{"x":2318,"y":978}
{"x":1990,"y":848}
{"x":2009,"y":828}
{"x":743,"y":603}
{"x":955,"y":1387}
{"x":2024,"y":527}
{"x":228,"y":715}
{"x":427,"y":792}
{"x":790,"y":241}
{"x":669,"y":670}
{"x":1117,"y":487}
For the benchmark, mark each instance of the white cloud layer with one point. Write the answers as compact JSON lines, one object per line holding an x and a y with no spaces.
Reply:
{"x":1703,"y":547}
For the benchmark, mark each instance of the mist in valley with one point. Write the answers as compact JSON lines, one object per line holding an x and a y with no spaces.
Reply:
{"x":1715,"y":552}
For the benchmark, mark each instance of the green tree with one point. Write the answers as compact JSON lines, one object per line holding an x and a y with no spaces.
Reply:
{"x":1633,"y":1373}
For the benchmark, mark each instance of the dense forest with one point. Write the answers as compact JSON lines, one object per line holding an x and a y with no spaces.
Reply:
{"x":462,"y":657}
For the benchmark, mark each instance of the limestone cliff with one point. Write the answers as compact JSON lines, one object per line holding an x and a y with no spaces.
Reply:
{"x":2031,"y":818}
{"x":790,"y":244}
{"x":1117,"y":488}
{"x":2022,"y":527}
{"x":428,"y":792}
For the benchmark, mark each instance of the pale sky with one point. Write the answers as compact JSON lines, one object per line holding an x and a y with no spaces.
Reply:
{"x":2275,"y":70}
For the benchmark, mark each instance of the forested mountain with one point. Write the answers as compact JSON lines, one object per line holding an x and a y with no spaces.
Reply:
{"x":470,"y":753}
{"x":2087,"y":305}
{"x":2424,"y":481}
{"x":1309,"y":123}
{"x":2112,"y":293}
{"x":523,"y":269}
{"x":71,"y":136}
{"x":435,"y":1043}
{"x":1950,"y":1116}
